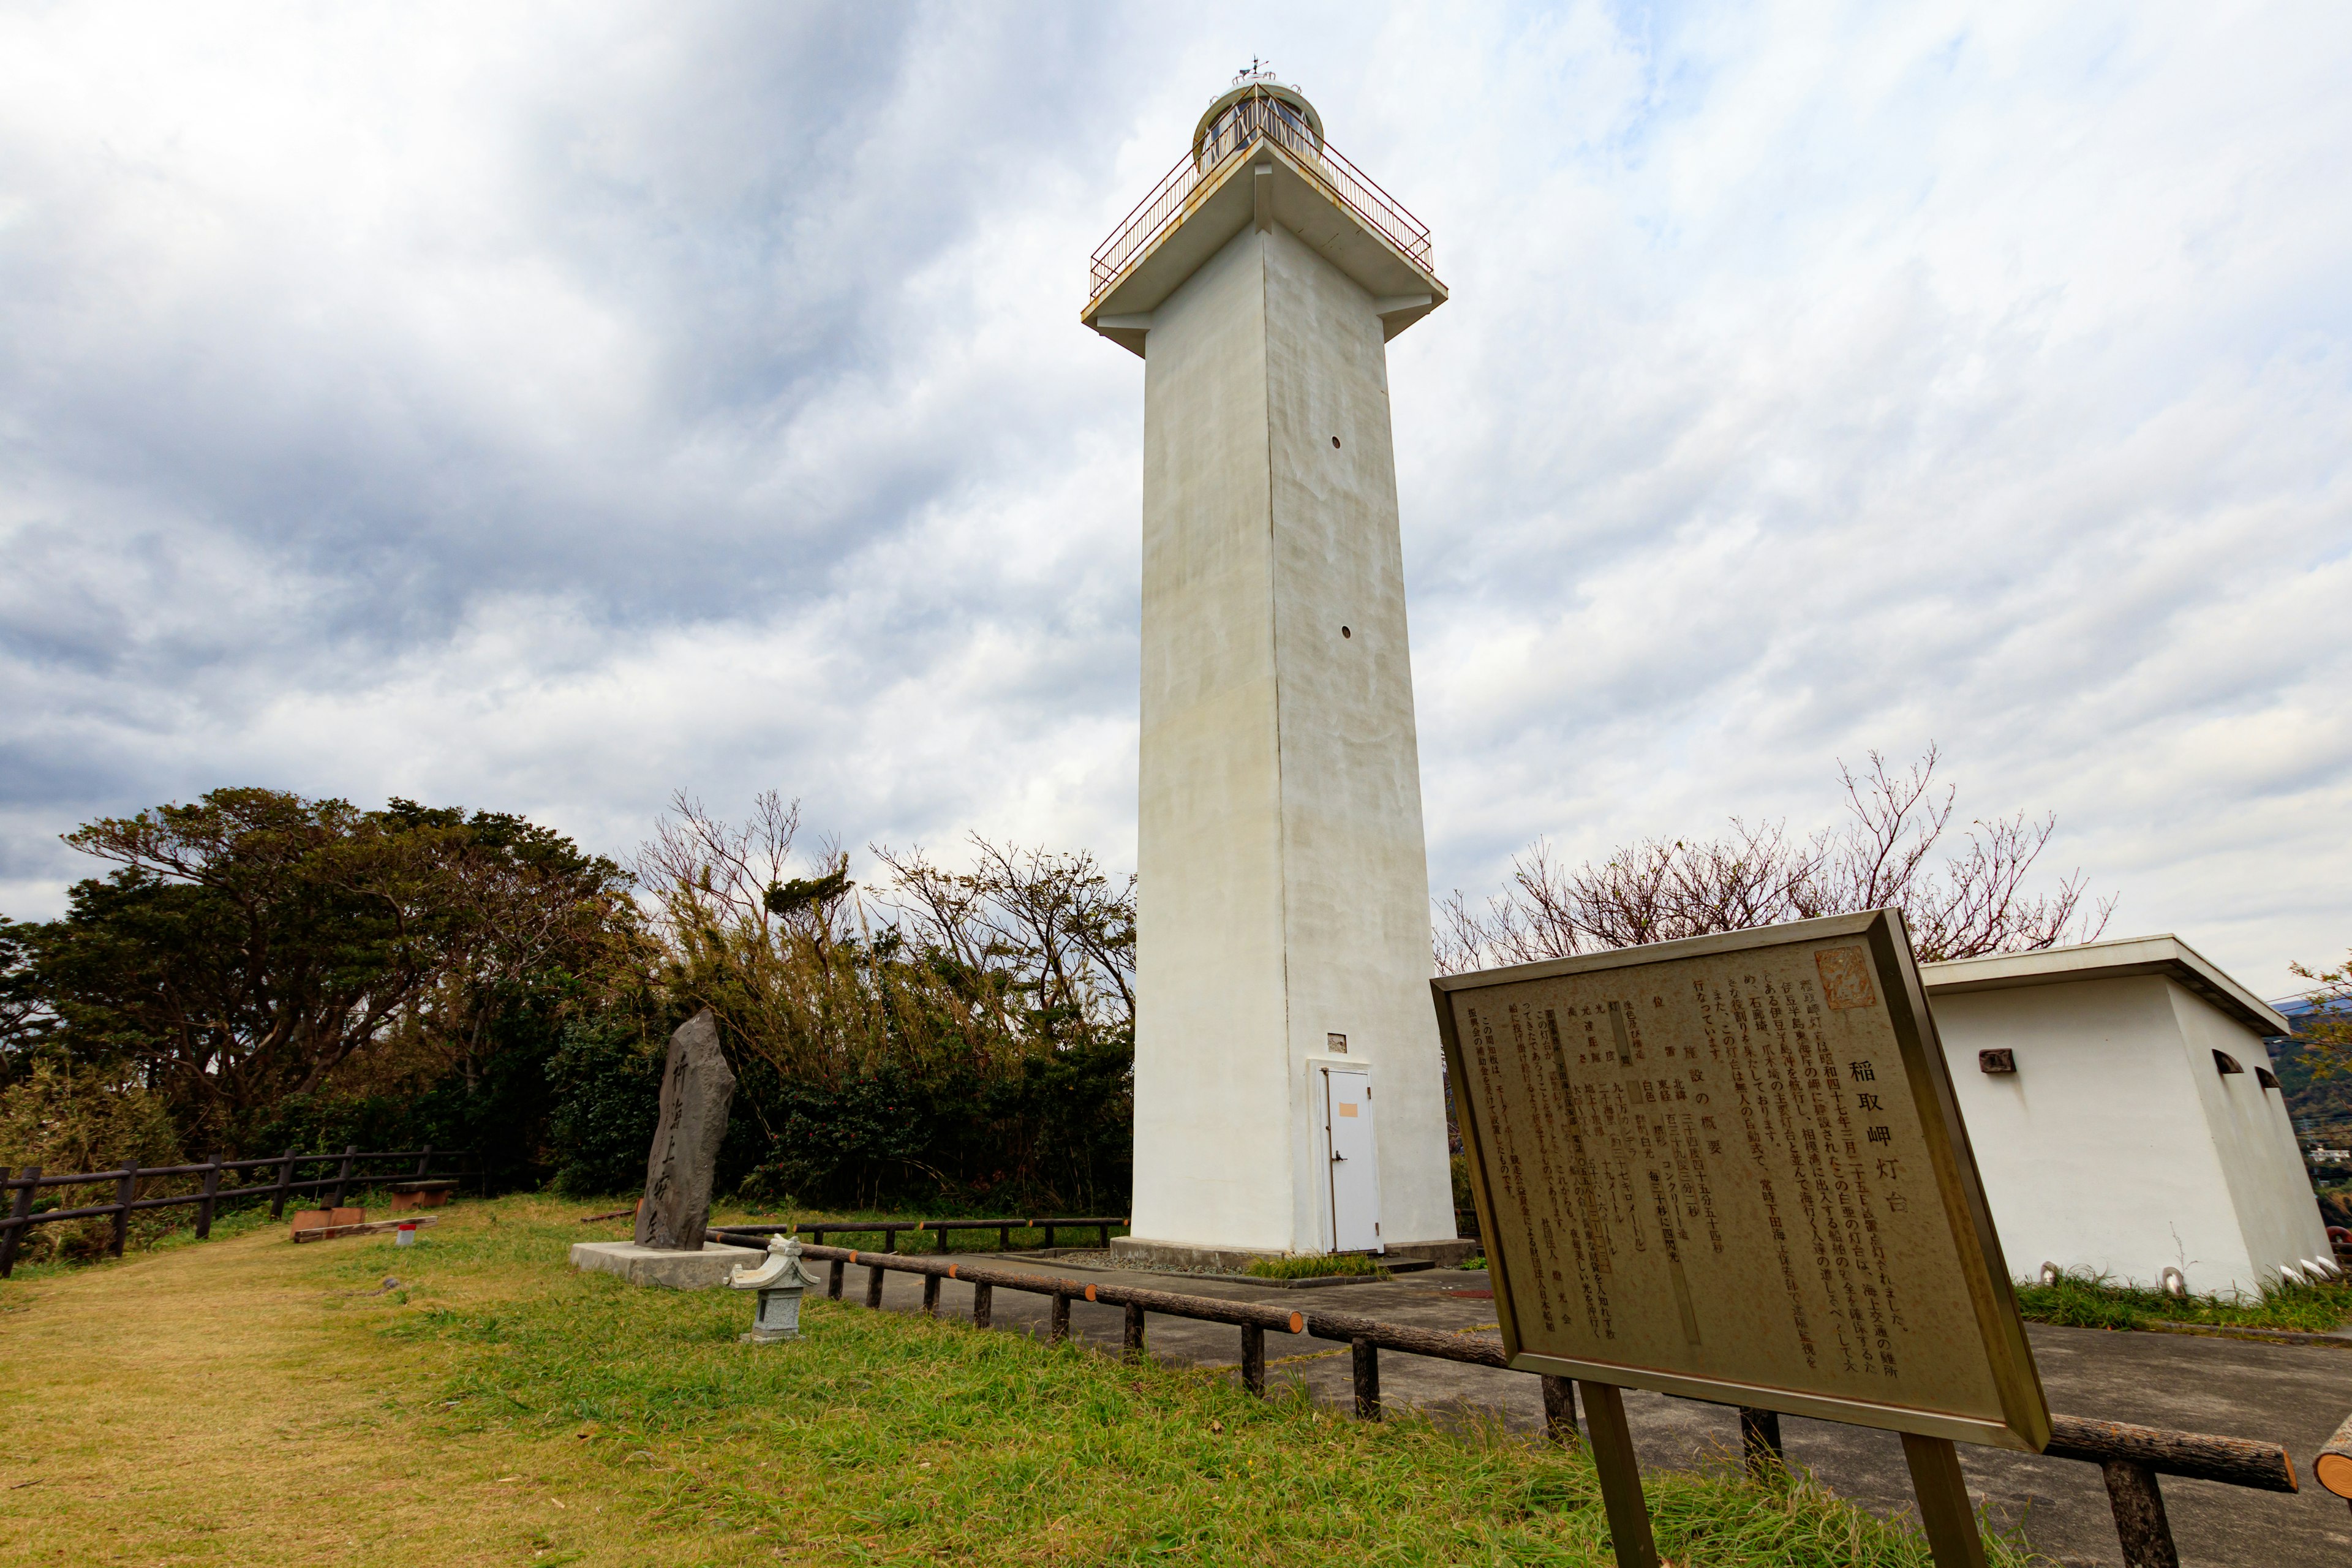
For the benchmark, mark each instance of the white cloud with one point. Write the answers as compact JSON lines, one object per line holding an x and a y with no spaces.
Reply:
{"x":550,"y":409}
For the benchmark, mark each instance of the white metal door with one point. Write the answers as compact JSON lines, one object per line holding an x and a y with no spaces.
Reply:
{"x":1355,"y":1169}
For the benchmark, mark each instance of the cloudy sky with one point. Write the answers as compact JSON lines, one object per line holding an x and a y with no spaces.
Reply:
{"x":551,"y":409}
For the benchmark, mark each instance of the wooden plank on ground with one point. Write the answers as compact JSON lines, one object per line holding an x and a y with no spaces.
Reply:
{"x":373,"y":1228}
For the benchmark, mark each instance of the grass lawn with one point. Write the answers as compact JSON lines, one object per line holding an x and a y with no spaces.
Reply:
{"x":2083,"y":1301}
{"x":246,"y":1401}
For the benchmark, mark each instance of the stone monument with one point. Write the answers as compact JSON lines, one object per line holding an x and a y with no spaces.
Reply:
{"x":1282,"y":942}
{"x":696,"y":1089}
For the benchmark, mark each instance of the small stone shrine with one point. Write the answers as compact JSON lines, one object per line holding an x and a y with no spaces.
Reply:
{"x":780,"y":1281}
{"x":669,"y":1249}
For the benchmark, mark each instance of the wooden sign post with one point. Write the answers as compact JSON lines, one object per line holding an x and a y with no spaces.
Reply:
{"x":1732,"y":1168}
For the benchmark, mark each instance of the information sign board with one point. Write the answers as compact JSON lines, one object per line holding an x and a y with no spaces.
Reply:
{"x":1732,"y":1168}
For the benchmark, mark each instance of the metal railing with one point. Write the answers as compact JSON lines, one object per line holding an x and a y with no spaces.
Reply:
{"x":21,"y":1217}
{"x":2130,"y":1457}
{"x":1258,"y":118}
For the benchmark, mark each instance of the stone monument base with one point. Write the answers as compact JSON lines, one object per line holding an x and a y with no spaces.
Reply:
{"x":650,"y":1266}
{"x":1139,"y":1250}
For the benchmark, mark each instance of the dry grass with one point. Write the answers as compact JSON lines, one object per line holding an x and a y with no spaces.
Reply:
{"x":232,"y":1404}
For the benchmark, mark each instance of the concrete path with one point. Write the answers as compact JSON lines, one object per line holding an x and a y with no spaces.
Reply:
{"x":2291,"y":1394}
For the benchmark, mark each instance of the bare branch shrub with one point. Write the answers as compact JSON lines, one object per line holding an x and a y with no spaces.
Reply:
{"x":1029,"y":951}
{"x":1973,"y":900}
{"x":1050,"y":928}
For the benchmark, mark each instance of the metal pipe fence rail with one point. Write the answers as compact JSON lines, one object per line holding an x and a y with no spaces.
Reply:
{"x":21,"y":1217}
{"x":2130,"y":1457}
{"x":1172,"y":197}
{"x":891,"y":1229}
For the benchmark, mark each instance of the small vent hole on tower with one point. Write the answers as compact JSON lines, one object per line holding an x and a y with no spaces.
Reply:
{"x":1335,"y":443}
{"x":1346,"y":633}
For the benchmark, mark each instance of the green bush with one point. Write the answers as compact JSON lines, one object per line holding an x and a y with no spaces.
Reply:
{"x":72,"y":1120}
{"x":606,"y":1082}
{"x":1055,"y":1134}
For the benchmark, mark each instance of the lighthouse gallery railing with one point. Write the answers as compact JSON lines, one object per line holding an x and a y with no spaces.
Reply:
{"x":1252,"y":119}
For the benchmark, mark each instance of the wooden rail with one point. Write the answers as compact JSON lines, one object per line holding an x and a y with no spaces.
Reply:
{"x":891,"y":1229}
{"x":21,"y":1217}
{"x":2130,"y":1457}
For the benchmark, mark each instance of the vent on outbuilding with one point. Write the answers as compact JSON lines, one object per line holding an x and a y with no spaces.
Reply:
{"x":2001,"y":1060}
{"x":2225,"y":1064}
{"x":2267,"y":1079}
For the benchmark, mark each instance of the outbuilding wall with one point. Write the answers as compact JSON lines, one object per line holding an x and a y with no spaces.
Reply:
{"x":2116,"y":1147}
{"x":2278,"y":1214}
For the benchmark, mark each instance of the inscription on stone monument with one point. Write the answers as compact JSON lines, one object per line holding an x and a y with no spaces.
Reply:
{"x":695,"y":1090}
{"x":1731,"y":1169}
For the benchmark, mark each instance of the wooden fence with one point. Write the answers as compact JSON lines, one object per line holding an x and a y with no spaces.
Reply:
{"x":21,"y":1217}
{"x":889,"y":1230}
{"x":2130,"y":1457}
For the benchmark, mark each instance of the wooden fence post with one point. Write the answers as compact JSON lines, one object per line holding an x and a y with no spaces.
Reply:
{"x":1105,"y":1236}
{"x":1759,"y":1442}
{"x":931,"y":1294}
{"x":874,"y":1285}
{"x":285,"y":1182}
{"x":1049,"y":1238}
{"x":343,"y":1176}
{"x":1945,"y":1514}
{"x":211,"y":1194}
{"x":1254,"y":1358}
{"x":125,"y":1190}
{"x":1132,"y":1348}
{"x":18,"y":1211}
{"x":1559,"y":1410}
{"x":1059,"y":1328}
{"x":1619,"y":1474}
{"x":2141,"y":1527}
{"x":832,"y":1280}
{"x":424,"y":1162}
{"x":1366,"y":1358}
{"x":984,"y":1306}
{"x":1003,"y":1238}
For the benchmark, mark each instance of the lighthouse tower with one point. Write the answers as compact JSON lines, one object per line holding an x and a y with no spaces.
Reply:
{"x":1288,"y":1084}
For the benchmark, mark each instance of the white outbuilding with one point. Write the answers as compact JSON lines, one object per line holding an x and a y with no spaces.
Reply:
{"x":2124,"y":1117}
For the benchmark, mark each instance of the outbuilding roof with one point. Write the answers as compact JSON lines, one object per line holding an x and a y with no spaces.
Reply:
{"x":2167,"y":955}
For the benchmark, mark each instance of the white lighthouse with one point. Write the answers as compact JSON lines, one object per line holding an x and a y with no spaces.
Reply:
{"x":1288,"y":1085}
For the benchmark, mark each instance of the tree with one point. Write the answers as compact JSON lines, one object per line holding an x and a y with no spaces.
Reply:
{"x":26,"y":1019}
{"x":1030,"y":948}
{"x":1050,"y":929}
{"x":967,"y":1032}
{"x":2324,"y":1034}
{"x":257,"y":946}
{"x":1973,"y":900}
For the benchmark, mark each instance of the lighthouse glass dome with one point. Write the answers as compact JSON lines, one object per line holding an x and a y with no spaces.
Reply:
{"x":1257,"y":105}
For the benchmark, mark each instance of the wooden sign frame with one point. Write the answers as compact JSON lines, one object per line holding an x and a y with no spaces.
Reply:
{"x":2009,"y":1410}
